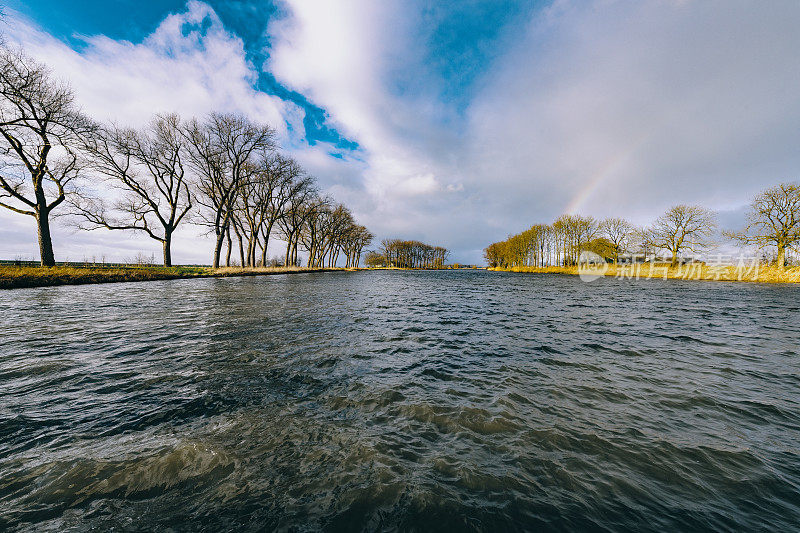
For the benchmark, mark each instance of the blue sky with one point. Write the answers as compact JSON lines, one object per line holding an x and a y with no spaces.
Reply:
{"x":461,"y":38}
{"x":456,"y":123}
{"x":134,"y":21}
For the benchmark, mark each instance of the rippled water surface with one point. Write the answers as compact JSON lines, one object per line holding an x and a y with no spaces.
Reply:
{"x":401,"y":400}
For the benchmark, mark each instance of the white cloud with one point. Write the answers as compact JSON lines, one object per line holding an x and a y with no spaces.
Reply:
{"x":600,"y":107}
{"x":184,"y":66}
{"x":344,"y":57}
{"x":418,"y":185}
{"x":628,"y":107}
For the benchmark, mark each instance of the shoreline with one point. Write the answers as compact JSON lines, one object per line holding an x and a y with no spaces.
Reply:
{"x":687,"y":272}
{"x":24,"y":277}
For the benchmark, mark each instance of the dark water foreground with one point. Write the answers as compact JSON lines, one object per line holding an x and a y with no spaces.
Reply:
{"x":422,"y":401}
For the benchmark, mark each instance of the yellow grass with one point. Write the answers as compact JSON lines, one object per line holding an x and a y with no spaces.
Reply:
{"x":695,"y":271}
{"x":12,"y":277}
{"x":30,"y":276}
{"x":416,"y":268}
{"x":258,"y":271}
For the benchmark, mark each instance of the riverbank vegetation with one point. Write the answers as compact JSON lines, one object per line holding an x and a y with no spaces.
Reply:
{"x":756,"y":272}
{"x":675,"y":242}
{"x":222,"y":172}
{"x":24,"y":276}
{"x":396,"y":253}
{"x":12,"y":276}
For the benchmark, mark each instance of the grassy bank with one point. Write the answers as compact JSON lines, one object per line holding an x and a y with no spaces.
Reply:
{"x":266,"y":271}
{"x":13,"y":277}
{"x":444,"y":268}
{"x":696,"y":271}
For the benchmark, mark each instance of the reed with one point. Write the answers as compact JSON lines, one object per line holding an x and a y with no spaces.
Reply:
{"x":34,"y":276}
{"x":691,"y":271}
{"x":14,"y":277}
{"x":258,"y":271}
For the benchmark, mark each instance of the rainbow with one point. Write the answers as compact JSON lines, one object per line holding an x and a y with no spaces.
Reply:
{"x":606,"y":171}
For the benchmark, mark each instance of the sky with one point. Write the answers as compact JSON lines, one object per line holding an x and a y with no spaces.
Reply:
{"x":456,"y":123}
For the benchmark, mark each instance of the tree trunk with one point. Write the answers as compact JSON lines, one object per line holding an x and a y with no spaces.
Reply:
{"x":267,"y":231}
{"x":43,"y":216}
{"x":167,"y":242}
{"x":45,"y":241}
{"x":218,"y":247}
{"x":241,"y":250}
{"x":781,"y":256}
{"x":230,"y":248}
{"x":264,"y":255}
{"x":675,"y":258}
{"x":251,"y":248}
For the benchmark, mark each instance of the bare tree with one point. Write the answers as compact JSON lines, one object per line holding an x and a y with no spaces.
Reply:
{"x":312,"y":234}
{"x":222,"y":152}
{"x":619,"y":232}
{"x":260,"y":203}
{"x":147,"y":167}
{"x":353,"y":240}
{"x":412,"y":254}
{"x":774,"y":220}
{"x":683,"y":228}
{"x":300,"y":205}
{"x":248,"y":210}
{"x":641,"y":242}
{"x":364,"y":238}
{"x":375,"y":259}
{"x":570,"y":233}
{"x":286,"y":178}
{"x":341,"y":221}
{"x":41,"y":128}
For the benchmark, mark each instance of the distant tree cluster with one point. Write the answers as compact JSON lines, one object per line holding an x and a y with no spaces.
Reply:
{"x":329,"y":231}
{"x":222,"y":172}
{"x":773,"y":221}
{"x":560,"y":243}
{"x":408,"y":254}
{"x":375,"y":259}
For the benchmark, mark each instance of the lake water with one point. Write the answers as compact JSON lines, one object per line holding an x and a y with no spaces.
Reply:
{"x":426,"y":401}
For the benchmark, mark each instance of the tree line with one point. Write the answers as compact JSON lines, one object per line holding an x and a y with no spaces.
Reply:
{"x":407,"y":254}
{"x":773,"y":222}
{"x":222,"y":172}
